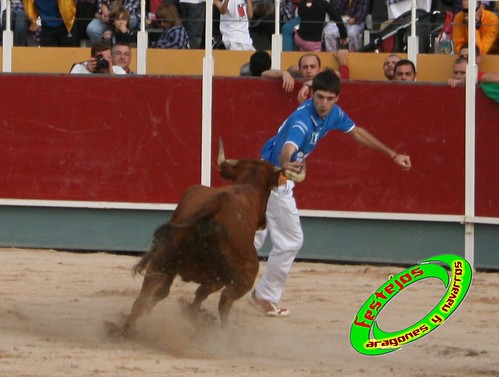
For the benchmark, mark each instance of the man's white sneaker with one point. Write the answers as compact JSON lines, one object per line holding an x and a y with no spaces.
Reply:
{"x":269,"y":308}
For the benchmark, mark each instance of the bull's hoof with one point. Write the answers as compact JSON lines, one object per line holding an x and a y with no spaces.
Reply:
{"x":114,"y":330}
{"x":195,"y":313}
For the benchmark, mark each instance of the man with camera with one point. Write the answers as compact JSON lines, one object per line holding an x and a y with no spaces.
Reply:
{"x":99,"y":62}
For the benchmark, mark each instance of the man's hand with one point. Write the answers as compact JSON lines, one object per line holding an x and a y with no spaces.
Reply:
{"x":288,"y":82}
{"x":455,"y":83}
{"x":304,"y":92}
{"x":342,"y":56}
{"x":107,"y":35}
{"x":403,"y":161}
{"x":91,"y":65}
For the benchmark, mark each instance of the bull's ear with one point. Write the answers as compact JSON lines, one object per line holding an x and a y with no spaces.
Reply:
{"x":227,"y":170}
{"x":296,"y":177}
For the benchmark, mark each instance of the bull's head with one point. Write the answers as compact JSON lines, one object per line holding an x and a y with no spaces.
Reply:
{"x":286,"y":174}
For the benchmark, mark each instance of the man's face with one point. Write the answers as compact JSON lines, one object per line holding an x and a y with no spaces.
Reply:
{"x":106,"y":55}
{"x":404,"y":73}
{"x":309,"y":67}
{"x":324,"y":102}
{"x":459,"y":71}
{"x":122,"y":56}
{"x":464,"y":53}
{"x":389,"y":65}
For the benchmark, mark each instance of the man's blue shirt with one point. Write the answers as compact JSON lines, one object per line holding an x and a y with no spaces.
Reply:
{"x":304,"y":128}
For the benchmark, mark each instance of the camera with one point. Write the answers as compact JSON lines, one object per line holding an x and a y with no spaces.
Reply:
{"x":102,"y":63}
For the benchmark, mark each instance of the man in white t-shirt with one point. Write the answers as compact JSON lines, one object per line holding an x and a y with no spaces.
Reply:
{"x":100,"y":61}
{"x":234,"y":23}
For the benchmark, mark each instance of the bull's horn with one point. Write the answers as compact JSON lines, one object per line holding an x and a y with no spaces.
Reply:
{"x":221,"y":154}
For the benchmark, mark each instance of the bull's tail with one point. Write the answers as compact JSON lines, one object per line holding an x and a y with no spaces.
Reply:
{"x":161,"y":237}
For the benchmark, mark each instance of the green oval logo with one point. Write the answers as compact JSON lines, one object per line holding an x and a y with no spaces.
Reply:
{"x":456,"y":274}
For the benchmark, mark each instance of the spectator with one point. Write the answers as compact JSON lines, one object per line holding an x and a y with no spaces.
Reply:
{"x":121,"y":56}
{"x":193,"y":14}
{"x":174,"y":34}
{"x":100,"y":23}
{"x":288,"y":31}
{"x":260,"y":65}
{"x":97,"y":27}
{"x":100,"y":61}
{"x":310,"y":65}
{"x":118,"y":31}
{"x":458,"y":72}
{"x":312,"y":13}
{"x":389,"y":66}
{"x":404,"y":70}
{"x":266,"y":23}
{"x":58,"y":27}
{"x":295,"y":140}
{"x":353,"y":14}
{"x":486,"y":28}
{"x":234,"y":23}
{"x":85,"y":12}
{"x":463,"y":52}
{"x":19,"y":23}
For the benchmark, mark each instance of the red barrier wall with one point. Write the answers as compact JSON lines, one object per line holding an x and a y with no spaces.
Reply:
{"x":137,"y":139}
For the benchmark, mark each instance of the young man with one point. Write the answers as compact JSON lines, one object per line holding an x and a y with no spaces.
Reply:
{"x":100,"y":61}
{"x":404,"y":70}
{"x":294,"y":142}
{"x":310,"y":64}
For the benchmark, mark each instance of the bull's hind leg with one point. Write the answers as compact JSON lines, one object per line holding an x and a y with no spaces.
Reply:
{"x":230,"y":294}
{"x":156,"y":287}
{"x":203,"y":291}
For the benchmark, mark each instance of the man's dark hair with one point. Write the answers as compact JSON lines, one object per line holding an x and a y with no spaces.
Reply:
{"x":461,"y":59}
{"x":259,"y":62}
{"x":405,"y":62}
{"x":327,"y":81}
{"x":99,"y":46}
{"x":465,"y":45}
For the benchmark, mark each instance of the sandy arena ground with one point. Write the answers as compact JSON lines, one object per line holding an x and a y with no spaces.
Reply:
{"x":53,"y":306}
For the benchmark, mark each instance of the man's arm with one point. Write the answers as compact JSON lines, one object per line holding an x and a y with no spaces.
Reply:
{"x":288,"y":83}
{"x":490,"y":77}
{"x":221,"y":5}
{"x":285,"y":158}
{"x":364,"y":137}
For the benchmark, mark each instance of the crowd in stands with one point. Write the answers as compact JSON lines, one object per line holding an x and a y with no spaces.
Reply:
{"x":306,"y":25}
{"x":111,"y":27}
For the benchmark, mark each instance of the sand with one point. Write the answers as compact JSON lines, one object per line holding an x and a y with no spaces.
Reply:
{"x":54,"y":305}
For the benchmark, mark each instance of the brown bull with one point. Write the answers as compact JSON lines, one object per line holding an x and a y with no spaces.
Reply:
{"x":209,"y":239}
